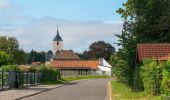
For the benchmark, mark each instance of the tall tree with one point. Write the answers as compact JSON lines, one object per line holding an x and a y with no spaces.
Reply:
{"x":100,"y":49}
{"x":145,"y":21}
{"x":35,"y":56}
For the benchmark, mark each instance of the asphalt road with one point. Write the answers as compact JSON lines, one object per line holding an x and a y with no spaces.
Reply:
{"x":79,"y":90}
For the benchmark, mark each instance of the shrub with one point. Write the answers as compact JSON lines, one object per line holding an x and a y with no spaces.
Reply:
{"x":49,"y":73}
{"x":10,"y":68}
{"x":121,"y":71}
{"x":166,"y":78}
{"x":150,"y":76}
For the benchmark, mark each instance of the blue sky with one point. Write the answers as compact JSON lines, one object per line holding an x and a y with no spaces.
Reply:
{"x":34,"y":22}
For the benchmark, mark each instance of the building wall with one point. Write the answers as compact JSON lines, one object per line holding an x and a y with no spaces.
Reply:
{"x":103,"y":70}
{"x":57,"y":47}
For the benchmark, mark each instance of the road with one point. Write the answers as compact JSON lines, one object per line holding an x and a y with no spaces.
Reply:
{"x":79,"y":90}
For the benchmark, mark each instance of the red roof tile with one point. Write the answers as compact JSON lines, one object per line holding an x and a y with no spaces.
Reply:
{"x":66,"y":54}
{"x":153,"y":51}
{"x":75,"y":64}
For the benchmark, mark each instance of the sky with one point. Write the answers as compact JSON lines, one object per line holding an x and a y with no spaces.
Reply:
{"x":81,"y":22}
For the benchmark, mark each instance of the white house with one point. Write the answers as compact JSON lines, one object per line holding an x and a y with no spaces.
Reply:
{"x":104,"y":68}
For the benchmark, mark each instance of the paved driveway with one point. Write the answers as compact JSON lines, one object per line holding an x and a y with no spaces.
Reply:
{"x":80,"y":90}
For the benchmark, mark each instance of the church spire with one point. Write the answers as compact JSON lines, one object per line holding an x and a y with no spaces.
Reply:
{"x":58,"y":37}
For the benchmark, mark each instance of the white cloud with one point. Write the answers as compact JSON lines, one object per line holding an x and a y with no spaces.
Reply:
{"x":77,"y":35}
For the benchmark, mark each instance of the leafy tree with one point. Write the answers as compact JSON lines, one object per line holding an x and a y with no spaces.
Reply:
{"x":35,"y":56}
{"x":84,"y":55}
{"x":20,"y":56}
{"x":5,"y":59}
{"x":10,"y":45}
{"x":100,"y":49}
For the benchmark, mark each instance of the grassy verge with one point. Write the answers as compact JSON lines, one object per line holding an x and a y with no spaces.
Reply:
{"x":122,"y":92}
{"x":84,"y":77}
{"x":60,"y":81}
{"x":68,"y":79}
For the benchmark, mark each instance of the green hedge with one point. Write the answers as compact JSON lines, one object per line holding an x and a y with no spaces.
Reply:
{"x":9,"y":68}
{"x":156,"y":77}
{"x":49,"y":73}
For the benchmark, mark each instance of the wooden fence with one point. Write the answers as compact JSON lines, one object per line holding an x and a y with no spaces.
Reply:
{"x":75,"y":73}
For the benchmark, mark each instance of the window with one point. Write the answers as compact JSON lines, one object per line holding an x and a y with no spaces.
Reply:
{"x":57,"y":43}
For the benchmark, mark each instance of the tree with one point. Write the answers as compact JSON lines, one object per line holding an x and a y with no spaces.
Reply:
{"x":145,"y":21}
{"x":20,"y":56}
{"x":84,"y":55}
{"x":100,"y":49}
{"x":10,"y":45}
{"x":35,"y":56}
{"x":5,"y":59}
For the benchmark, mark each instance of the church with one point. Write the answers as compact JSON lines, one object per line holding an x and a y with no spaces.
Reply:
{"x":70,"y":64}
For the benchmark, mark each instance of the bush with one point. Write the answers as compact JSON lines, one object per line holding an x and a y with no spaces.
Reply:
{"x":121,"y":71}
{"x":49,"y":73}
{"x":151,"y":72}
{"x":137,"y":81}
{"x":10,"y":68}
{"x":166,"y":79}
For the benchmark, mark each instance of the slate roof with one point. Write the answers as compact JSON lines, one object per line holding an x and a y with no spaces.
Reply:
{"x":66,"y":55}
{"x":75,"y":64}
{"x":58,"y":37}
{"x":156,"y":51}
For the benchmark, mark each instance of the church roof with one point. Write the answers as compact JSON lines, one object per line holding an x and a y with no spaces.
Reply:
{"x":58,"y":37}
{"x":66,"y":55}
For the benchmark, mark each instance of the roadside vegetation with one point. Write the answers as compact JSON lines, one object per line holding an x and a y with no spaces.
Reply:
{"x":123,"y":92}
{"x":145,"y":21}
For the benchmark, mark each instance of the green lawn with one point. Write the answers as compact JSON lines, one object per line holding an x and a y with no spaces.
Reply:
{"x":68,"y":79}
{"x":122,"y":92}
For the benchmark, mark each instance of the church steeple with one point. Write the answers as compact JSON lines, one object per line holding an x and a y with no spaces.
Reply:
{"x":57,"y":37}
{"x":57,"y":42}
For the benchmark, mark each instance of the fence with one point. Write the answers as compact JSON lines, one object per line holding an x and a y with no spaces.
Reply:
{"x":75,"y":73}
{"x":13,"y":79}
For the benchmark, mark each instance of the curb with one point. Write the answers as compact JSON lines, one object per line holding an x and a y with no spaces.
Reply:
{"x":39,"y":92}
{"x":109,"y":91}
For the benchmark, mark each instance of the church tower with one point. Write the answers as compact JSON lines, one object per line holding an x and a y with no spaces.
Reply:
{"x":57,"y":43}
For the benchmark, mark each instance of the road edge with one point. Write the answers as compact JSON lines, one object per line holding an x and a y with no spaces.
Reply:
{"x":26,"y":96}
{"x":109,"y":89}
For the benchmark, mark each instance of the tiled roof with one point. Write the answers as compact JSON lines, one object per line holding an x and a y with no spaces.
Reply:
{"x":66,"y":55}
{"x":153,"y":51}
{"x":75,"y":64}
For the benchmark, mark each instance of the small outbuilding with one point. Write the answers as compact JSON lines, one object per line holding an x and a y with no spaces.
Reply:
{"x":157,"y":51}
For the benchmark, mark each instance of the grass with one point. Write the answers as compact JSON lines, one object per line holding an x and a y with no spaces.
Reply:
{"x":68,"y":79}
{"x":122,"y":92}
{"x":84,"y":77}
